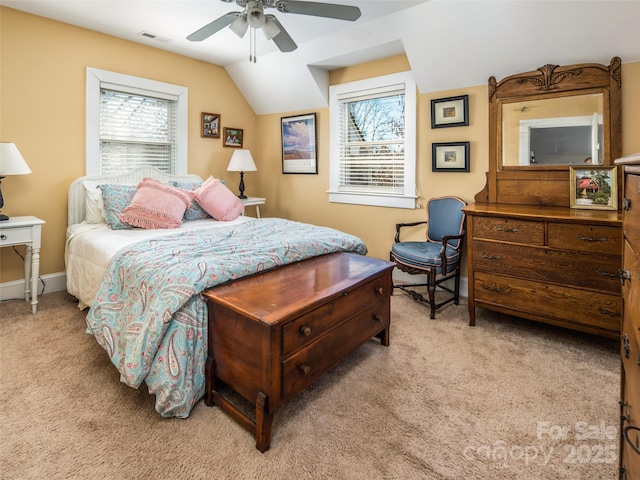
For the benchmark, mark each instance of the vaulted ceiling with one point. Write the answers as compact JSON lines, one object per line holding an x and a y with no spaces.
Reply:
{"x":449,"y":43}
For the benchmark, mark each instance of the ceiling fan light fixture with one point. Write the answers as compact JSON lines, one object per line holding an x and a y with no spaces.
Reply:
{"x":270,"y":29}
{"x":240,"y":25}
{"x":255,"y":15}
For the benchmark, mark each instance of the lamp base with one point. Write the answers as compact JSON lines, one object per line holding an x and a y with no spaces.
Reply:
{"x":3,"y":217}
{"x":241,"y":186}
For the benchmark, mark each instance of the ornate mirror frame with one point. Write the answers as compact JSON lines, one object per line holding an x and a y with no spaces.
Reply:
{"x":549,"y":185}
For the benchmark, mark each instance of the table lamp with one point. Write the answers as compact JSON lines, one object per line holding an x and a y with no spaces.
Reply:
{"x":11,"y":163}
{"x":241,"y":161}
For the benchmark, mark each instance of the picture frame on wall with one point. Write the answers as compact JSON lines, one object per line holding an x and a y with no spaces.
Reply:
{"x":594,"y":187}
{"x":450,"y":112}
{"x":299,"y":146}
{"x":233,"y":137}
{"x":450,"y":157}
{"x":210,"y":125}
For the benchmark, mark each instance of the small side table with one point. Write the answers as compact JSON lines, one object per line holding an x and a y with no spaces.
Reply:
{"x":25,"y":231}
{"x":255,"y":202}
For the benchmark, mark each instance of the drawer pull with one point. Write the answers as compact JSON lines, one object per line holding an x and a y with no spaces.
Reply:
{"x":626,"y":203}
{"x":624,"y":275}
{"x":638,"y":359}
{"x":3,"y":237}
{"x":634,"y":446}
{"x":492,"y":288}
{"x":501,"y":228}
{"x":379,"y":290}
{"x":604,"y":311}
{"x":305,"y":330}
{"x":626,"y":345}
{"x":582,"y":238}
{"x":305,"y":369}
{"x":626,"y":415}
{"x":377,"y":317}
{"x":604,"y":273}
{"x":489,"y":256}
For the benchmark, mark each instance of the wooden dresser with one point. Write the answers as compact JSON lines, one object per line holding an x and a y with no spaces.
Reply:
{"x":550,"y":264}
{"x":539,"y":245}
{"x":271,"y":335}
{"x":630,"y":339}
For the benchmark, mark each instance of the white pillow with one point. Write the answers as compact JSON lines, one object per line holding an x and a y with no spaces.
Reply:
{"x":94,"y":205}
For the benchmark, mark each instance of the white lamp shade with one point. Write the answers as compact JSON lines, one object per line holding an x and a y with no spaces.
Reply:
{"x":241,"y":161}
{"x":270,"y":29}
{"x":240,"y":25}
{"x":11,"y":161}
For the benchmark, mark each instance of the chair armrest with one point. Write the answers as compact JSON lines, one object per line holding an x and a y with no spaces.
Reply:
{"x":445,"y":242}
{"x":446,"y":238}
{"x":400,"y":225}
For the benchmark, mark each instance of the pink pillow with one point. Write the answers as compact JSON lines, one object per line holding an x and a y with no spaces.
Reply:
{"x":217,"y":200}
{"x":156,"y":205}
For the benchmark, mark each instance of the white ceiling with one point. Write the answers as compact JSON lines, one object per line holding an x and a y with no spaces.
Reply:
{"x":449,"y":43}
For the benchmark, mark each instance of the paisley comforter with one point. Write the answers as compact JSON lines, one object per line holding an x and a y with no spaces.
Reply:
{"x":150,"y":317}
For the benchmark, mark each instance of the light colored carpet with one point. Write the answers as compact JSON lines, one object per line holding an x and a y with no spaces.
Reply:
{"x":507,"y":399}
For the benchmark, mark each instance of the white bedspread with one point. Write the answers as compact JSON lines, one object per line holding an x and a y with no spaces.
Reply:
{"x":90,"y":248}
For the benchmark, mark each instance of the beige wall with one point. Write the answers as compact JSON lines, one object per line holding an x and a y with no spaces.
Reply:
{"x":42,"y":110}
{"x":304,"y":197}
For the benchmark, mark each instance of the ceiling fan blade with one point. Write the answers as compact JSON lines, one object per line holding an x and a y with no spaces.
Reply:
{"x":213,"y":27}
{"x":282,"y":40}
{"x":317,"y":9}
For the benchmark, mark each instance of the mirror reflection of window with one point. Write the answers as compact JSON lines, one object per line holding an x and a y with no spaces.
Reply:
{"x":553,"y":131}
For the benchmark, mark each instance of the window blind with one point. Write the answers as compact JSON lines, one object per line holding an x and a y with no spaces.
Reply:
{"x":372,"y":141}
{"x":136,"y":130}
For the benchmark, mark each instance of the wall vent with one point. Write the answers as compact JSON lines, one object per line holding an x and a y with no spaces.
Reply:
{"x":153,"y":36}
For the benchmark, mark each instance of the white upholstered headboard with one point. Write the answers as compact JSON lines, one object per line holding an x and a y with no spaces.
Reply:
{"x":77,"y":193}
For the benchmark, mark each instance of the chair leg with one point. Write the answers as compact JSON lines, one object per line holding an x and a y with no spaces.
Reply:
{"x":456,"y":295}
{"x":432,"y":292}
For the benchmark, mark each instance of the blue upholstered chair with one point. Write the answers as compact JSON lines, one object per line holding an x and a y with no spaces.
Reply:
{"x":439,"y":256}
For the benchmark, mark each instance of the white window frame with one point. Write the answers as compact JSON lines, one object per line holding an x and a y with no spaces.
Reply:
{"x":408,"y":198}
{"x":96,"y":78}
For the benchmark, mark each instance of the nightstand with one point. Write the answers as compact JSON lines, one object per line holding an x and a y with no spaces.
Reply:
{"x":255,"y":202}
{"x":25,"y":231}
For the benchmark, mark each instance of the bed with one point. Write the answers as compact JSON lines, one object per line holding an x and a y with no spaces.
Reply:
{"x":143,"y":286}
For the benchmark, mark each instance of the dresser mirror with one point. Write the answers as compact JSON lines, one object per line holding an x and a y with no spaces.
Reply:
{"x":543,"y":122}
{"x":553,"y":131}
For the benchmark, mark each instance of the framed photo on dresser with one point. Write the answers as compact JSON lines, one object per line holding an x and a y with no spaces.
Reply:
{"x":594,"y":187}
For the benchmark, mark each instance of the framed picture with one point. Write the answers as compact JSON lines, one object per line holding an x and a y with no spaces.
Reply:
{"x":210,"y":125}
{"x":450,"y":157}
{"x":233,"y":137}
{"x":450,"y":112}
{"x":594,"y":187}
{"x":299,"y":148}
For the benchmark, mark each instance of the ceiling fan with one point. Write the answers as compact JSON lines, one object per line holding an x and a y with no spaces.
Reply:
{"x":253,"y":16}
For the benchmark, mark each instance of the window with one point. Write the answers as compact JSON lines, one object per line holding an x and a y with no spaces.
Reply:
{"x":373,"y":142}
{"x":133,"y":121}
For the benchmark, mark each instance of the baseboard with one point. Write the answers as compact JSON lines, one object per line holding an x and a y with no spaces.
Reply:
{"x":403,"y":277}
{"x":53,"y":282}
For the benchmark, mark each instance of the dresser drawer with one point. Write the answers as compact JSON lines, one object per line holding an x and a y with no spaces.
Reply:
{"x":631,"y":289}
{"x":630,"y":409}
{"x":598,"y":272}
{"x":301,"y":369}
{"x":16,"y":236}
{"x":305,"y":329}
{"x":509,"y":230}
{"x":631,"y":222}
{"x":586,"y":238}
{"x":573,"y":306}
